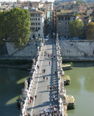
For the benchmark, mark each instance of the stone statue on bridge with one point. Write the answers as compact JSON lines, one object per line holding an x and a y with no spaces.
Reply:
{"x":33,"y":60}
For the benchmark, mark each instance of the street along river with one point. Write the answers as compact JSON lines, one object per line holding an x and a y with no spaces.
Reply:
{"x":11,"y":83}
{"x":82,"y":88}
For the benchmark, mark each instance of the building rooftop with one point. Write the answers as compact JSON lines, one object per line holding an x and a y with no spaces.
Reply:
{"x":35,"y":11}
{"x":65,"y":12}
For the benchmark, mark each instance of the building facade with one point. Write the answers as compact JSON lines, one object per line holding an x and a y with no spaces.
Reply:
{"x":63,"y":19}
{"x":37,"y":23}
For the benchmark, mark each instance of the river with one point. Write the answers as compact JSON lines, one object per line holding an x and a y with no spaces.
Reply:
{"x":82,"y":88}
{"x":11,"y":83}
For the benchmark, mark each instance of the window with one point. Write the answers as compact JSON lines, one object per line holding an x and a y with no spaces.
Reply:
{"x":65,"y":27}
{"x":68,"y":18}
{"x":38,"y":28}
{"x":38,"y":18}
{"x":32,"y":15}
{"x":62,"y":18}
{"x":32,"y":28}
{"x":65,"y":18}
{"x":66,"y":23}
{"x":58,"y":18}
{"x":38,"y":23}
{"x":36,"y":15}
{"x":32,"y":23}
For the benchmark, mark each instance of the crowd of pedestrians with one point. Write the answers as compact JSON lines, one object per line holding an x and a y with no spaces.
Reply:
{"x":51,"y":111}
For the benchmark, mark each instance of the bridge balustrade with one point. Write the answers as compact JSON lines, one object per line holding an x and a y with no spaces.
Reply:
{"x":61,"y":107}
{"x":25,"y":105}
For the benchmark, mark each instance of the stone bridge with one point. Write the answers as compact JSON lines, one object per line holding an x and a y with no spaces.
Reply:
{"x":49,"y":90}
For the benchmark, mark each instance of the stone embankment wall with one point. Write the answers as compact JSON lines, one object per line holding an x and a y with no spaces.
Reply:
{"x":29,"y":50}
{"x":69,"y":48}
{"x":75,"y":48}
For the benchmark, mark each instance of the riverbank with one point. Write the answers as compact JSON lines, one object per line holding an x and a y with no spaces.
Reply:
{"x":64,"y":58}
{"x":16,"y":64}
{"x":78,"y":59}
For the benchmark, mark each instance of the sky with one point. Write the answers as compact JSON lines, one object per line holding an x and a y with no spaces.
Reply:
{"x":21,"y":0}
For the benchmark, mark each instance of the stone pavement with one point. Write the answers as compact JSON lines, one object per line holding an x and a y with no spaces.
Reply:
{"x":44,"y":96}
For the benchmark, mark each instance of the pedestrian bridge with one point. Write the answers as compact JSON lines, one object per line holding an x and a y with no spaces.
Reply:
{"x":49,"y":91}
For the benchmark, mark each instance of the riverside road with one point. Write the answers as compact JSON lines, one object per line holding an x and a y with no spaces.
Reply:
{"x":44,"y":95}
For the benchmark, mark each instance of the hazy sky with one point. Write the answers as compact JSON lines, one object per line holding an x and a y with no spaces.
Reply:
{"x":21,"y":0}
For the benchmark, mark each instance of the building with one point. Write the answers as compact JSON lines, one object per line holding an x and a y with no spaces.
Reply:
{"x":37,"y":23}
{"x":30,"y":5}
{"x":49,"y":9}
{"x":62,"y":21}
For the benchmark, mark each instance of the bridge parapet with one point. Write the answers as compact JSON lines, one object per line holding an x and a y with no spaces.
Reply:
{"x":29,"y":90}
{"x":59,"y":72}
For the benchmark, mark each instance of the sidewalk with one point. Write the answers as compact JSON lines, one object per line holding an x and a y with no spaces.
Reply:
{"x":44,"y":96}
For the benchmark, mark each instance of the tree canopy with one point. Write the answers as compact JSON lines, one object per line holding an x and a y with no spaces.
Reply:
{"x":15,"y":25}
{"x":90,"y":31}
{"x":76,"y":27}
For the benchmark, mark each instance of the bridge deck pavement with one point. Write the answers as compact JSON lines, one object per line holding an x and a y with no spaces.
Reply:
{"x":44,"y":96}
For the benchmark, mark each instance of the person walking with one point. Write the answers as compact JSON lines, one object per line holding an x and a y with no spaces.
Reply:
{"x":53,"y":97}
{"x":29,"y":114}
{"x":50,"y":88}
{"x":48,"y":111}
{"x":49,"y":63}
{"x":46,"y":78}
{"x":35,"y":97}
{"x":54,"y":110}
{"x":40,"y":114}
{"x":44,"y":70}
{"x":38,"y":66}
{"x":44,"y":110}
{"x":30,"y":101}
{"x":55,"y":72}
{"x":50,"y":106}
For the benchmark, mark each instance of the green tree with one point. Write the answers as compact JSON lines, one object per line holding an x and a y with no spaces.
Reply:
{"x":90,"y":31}
{"x":15,"y":26}
{"x":76,"y":27}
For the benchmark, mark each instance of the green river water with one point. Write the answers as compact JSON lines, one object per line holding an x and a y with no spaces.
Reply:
{"x":82,"y":88}
{"x":11,"y":83}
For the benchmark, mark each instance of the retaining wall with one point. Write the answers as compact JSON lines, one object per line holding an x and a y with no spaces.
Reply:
{"x":75,"y":48}
{"x":30,"y":49}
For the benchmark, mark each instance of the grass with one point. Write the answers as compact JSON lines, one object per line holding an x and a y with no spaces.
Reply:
{"x":66,"y":77}
{"x":70,"y":99}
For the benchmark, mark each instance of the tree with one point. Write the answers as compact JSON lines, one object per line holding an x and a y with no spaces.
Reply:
{"x":90,"y":31}
{"x":76,"y":27}
{"x":15,"y":26}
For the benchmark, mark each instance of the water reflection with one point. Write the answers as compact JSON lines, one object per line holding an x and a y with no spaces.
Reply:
{"x":9,"y":90}
{"x":82,"y":88}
